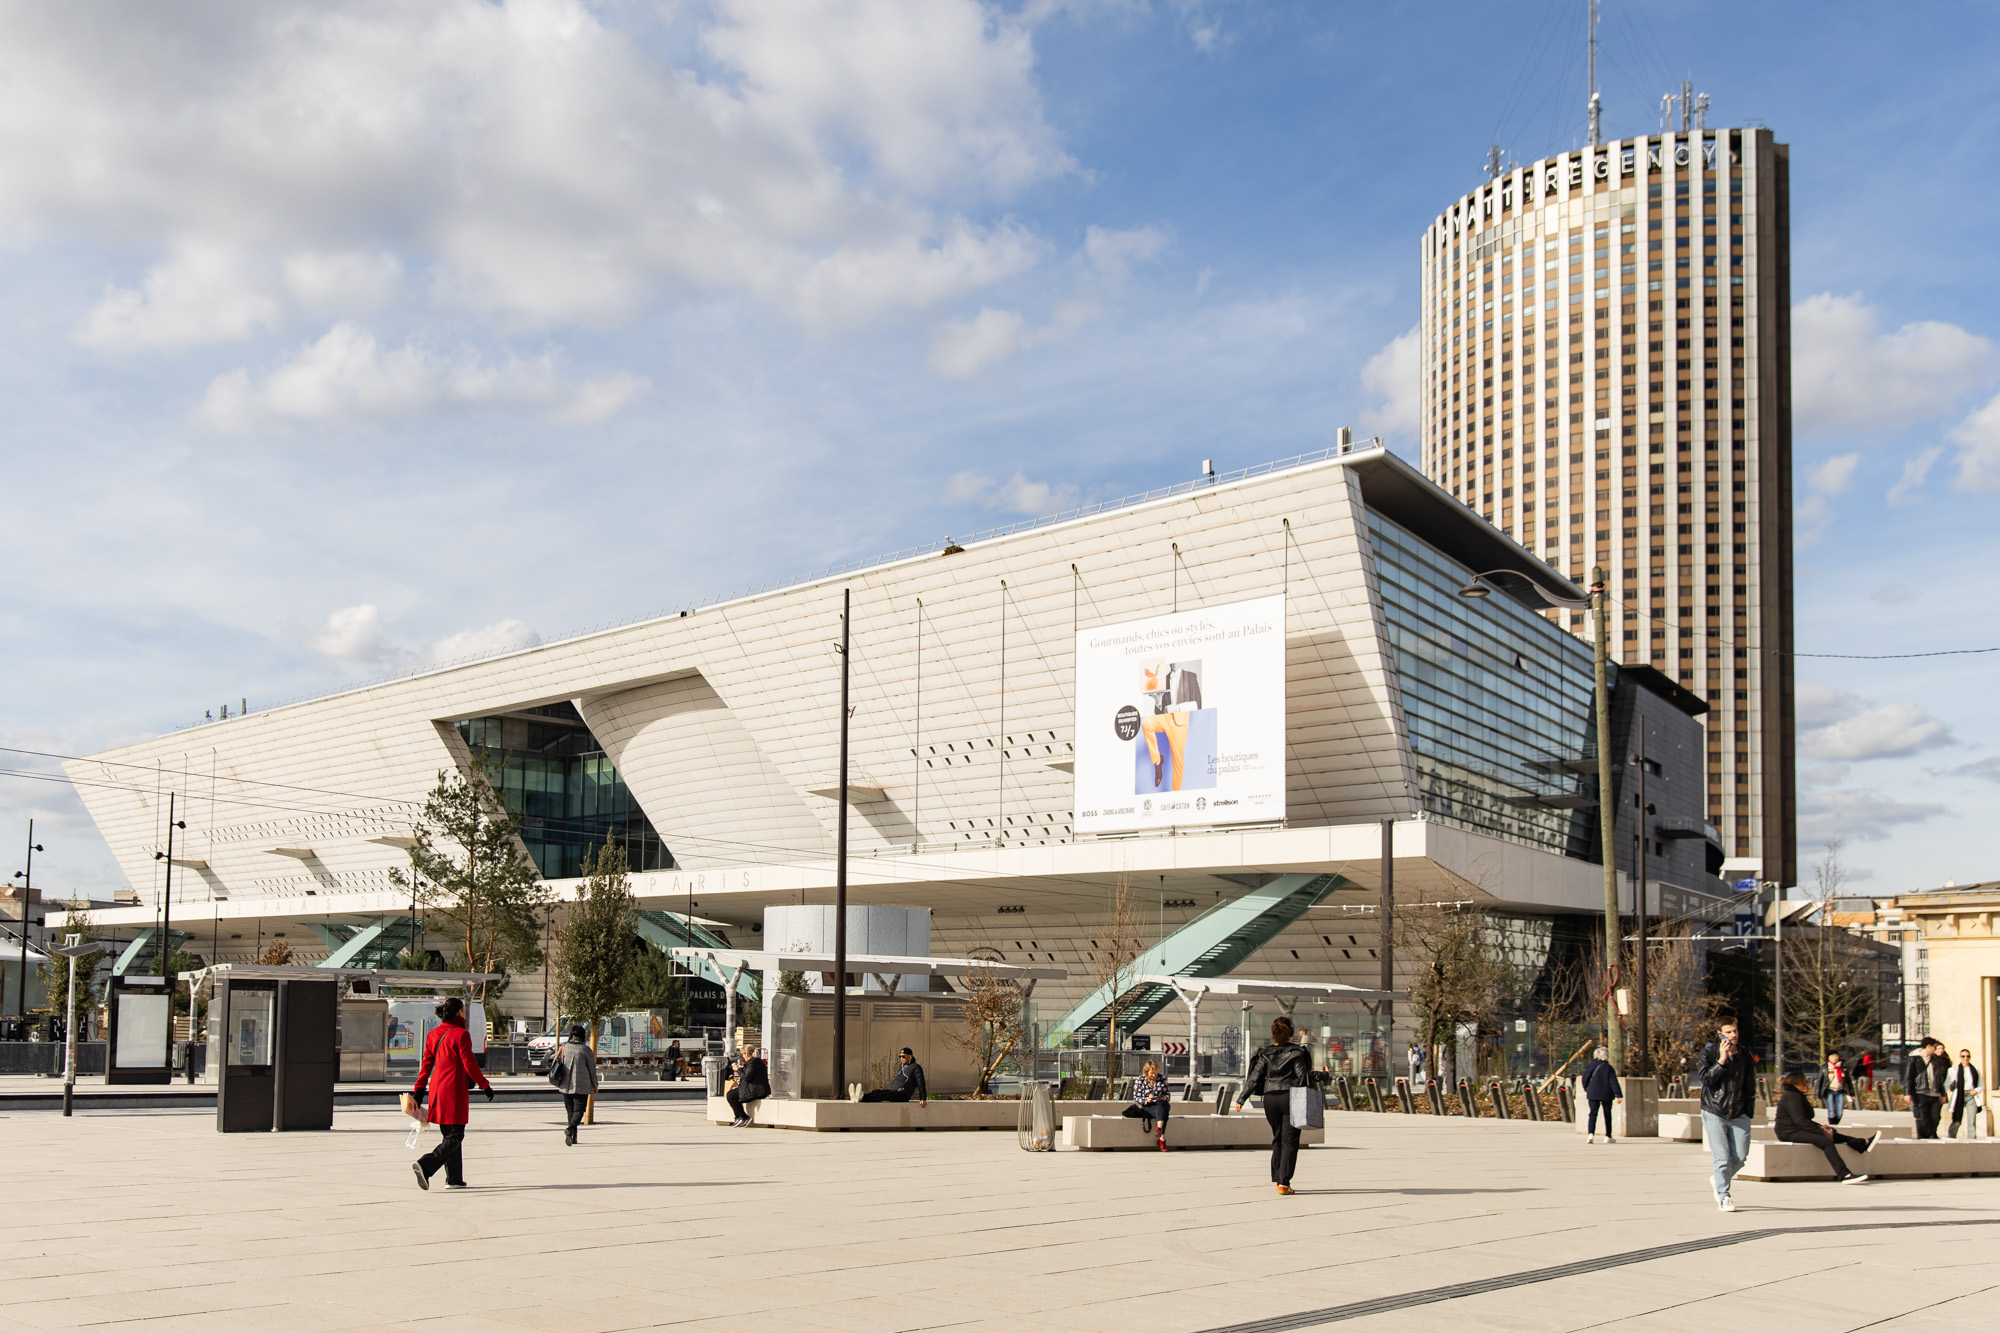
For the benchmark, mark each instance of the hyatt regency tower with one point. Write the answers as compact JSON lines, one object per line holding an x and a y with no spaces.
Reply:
{"x":1606,"y":377}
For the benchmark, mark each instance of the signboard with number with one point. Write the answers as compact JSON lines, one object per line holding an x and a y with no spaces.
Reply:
{"x":1746,"y":923}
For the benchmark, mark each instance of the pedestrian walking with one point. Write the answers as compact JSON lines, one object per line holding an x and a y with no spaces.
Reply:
{"x":676,"y":1061}
{"x":1728,"y":1097}
{"x":1865,"y":1068}
{"x":1274,"y":1071}
{"x":575,"y":1073}
{"x":1152,"y":1100}
{"x":446,"y":1076}
{"x":1833,"y":1087}
{"x":1923,"y":1080}
{"x":1416,"y":1065}
{"x":753,"y":1085}
{"x":1962,"y":1095}
{"x":1601,"y":1089}
{"x":1794,"y":1123}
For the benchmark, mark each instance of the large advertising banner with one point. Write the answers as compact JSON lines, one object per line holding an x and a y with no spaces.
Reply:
{"x":1180,"y":719}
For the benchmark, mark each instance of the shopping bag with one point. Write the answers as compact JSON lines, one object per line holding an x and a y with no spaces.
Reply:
{"x":411,"y":1106}
{"x":1308,"y":1109}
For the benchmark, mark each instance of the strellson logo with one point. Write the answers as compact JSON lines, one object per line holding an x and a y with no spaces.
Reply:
{"x":1231,"y":801}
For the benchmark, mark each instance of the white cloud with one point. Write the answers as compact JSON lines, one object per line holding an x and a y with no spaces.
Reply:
{"x":1867,"y":816}
{"x":1393,"y":376}
{"x":502,"y":636}
{"x":1987,"y":769}
{"x":1845,"y":728}
{"x":1811,"y":514}
{"x":537,"y":164}
{"x":1016,"y":495}
{"x":1877,"y":733}
{"x":1908,"y":489}
{"x":348,"y":376}
{"x":352,"y":634}
{"x":201,"y":294}
{"x":1849,"y":376}
{"x":963,"y":348}
{"x":1112,"y":253}
{"x":1978,"y":438}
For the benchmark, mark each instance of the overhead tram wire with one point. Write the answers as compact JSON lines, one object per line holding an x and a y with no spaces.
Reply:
{"x":1662,"y":621}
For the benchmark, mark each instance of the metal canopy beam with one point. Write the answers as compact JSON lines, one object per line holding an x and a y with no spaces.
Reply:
{"x":1212,"y":945}
{"x":669,"y":932}
{"x":880,"y":964}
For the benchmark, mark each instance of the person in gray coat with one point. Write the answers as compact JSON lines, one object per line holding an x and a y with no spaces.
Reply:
{"x":579,"y":1078}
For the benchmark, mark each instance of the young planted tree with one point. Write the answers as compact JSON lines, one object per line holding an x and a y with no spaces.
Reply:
{"x":277,"y":953}
{"x":653,"y":984}
{"x":593,"y":957}
{"x":469,"y":869}
{"x":1681,"y":1011}
{"x":56,"y":971}
{"x":992,"y":1028}
{"x":1568,"y":1015}
{"x":1114,"y":962}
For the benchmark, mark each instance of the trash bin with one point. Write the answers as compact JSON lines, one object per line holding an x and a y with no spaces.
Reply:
{"x":1036,"y":1129}
{"x":711,"y":1074}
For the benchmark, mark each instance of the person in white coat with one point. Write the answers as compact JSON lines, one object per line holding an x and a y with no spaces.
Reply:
{"x":1962,"y":1096}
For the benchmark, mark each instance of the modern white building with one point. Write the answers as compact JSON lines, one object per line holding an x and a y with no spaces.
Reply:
{"x":707,"y":740}
{"x":1607,"y":379}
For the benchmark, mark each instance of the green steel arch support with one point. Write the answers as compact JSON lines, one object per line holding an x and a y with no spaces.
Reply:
{"x":671,"y":930}
{"x":1214,"y":944}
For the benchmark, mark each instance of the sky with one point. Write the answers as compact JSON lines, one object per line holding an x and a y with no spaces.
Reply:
{"x":341,"y":338}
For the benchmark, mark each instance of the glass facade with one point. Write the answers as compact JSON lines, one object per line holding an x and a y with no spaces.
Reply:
{"x":550,"y":771}
{"x":1497,"y":700}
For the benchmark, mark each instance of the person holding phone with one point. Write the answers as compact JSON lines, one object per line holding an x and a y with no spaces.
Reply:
{"x":1728,"y":1098}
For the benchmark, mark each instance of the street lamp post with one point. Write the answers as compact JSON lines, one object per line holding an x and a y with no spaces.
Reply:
{"x":167,"y":927}
{"x":1643,"y":820}
{"x":1595,"y":603}
{"x":27,"y":895}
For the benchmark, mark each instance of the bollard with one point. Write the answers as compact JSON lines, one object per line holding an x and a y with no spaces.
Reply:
{"x":1346,"y":1086}
{"x":1435,"y":1096}
{"x":1567,"y":1101}
{"x":1403,"y":1098}
{"x":1374,"y":1096}
{"x":1467,"y":1104}
{"x":1531,"y":1099}
{"x":1498,"y":1096}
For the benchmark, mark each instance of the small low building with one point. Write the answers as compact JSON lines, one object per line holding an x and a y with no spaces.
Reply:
{"x":1962,"y":950}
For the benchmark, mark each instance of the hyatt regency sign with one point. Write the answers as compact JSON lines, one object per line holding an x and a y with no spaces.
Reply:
{"x":1180,"y":719}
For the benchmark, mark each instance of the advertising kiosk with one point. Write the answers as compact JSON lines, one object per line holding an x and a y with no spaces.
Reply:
{"x":136,"y":1049}
{"x":276,"y":1039}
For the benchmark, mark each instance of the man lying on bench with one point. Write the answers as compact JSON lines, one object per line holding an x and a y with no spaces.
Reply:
{"x":908,"y":1086}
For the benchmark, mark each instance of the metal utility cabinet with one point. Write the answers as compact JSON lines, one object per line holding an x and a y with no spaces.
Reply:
{"x":277,"y":1040}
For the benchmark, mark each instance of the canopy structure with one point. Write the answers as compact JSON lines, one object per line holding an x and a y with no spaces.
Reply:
{"x":890,"y":969}
{"x":371,"y":979}
{"x":1288,"y":994}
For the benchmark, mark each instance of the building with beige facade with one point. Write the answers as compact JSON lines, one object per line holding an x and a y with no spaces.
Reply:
{"x":1960,"y":932}
{"x":1442,"y":736}
{"x":1606,"y":355}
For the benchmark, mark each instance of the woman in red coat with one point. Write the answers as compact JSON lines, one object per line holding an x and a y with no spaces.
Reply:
{"x":447,"y":1073}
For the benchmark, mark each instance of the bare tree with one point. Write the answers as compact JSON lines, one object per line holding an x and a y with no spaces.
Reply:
{"x":1829,"y":995}
{"x":992,"y":1028}
{"x":1567,"y":1016}
{"x":1114,"y":959}
{"x":1681,"y":1011}
{"x":1457,"y":976}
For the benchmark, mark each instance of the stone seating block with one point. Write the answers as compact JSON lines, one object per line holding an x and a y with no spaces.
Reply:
{"x":1890,"y":1159}
{"x":889,"y":1117}
{"x":1114,"y":1133}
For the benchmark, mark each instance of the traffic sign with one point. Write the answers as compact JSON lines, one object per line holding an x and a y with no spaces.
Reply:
{"x":1746,"y":923}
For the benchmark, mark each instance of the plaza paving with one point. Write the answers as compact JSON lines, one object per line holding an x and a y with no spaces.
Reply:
{"x":662,"y":1220}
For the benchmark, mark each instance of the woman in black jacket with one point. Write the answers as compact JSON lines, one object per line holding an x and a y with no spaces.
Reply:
{"x":1274,"y":1071}
{"x":1794,"y":1123}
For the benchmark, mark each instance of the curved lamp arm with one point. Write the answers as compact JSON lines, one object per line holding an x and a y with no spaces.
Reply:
{"x":1477,"y":587}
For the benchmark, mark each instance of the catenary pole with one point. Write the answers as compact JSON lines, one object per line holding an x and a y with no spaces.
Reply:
{"x":1386,"y":911}
{"x":1614,"y":1035}
{"x":27,"y":897}
{"x":1643,"y":1060}
{"x":840,"y":868}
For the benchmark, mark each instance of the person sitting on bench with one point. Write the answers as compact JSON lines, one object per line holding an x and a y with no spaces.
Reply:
{"x":909,"y":1085}
{"x":1795,"y":1124}
{"x":1152,"y":1099}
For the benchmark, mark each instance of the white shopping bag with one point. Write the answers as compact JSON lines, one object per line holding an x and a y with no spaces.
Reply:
{"x":1308,"y":1109}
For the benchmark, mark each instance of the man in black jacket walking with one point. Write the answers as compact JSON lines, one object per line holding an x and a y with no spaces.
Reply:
{"x":1924,"y":1077}
{"x":1728,"y":1098}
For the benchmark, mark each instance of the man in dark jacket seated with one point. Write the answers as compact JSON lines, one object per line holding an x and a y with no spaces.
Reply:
{"x":909,"y":1083}
{"x":1795,"y":1124}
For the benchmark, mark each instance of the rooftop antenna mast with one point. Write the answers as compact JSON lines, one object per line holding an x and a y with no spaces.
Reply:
{"x":1596,"y":137}
{"x":1493,"y":162}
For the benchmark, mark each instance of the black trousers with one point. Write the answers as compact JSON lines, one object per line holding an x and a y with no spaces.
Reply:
{"x":735,"y":1099}
{"x":574,"y":1102}
{"x":449,"y":1154}
{"x":886,"y":1095}
{"x":1927,"y":1110}
{"x":1284,"y":1138}
{"x":1596,"y":1105}
{"x":1831,"y":1144}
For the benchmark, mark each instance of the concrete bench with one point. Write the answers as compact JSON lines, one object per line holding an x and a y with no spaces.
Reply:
{"x":1113,"y":1133}
{"x":1891,"y":1158}
{"x":1686,"y":1128}
{"x":886,"y":1117}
